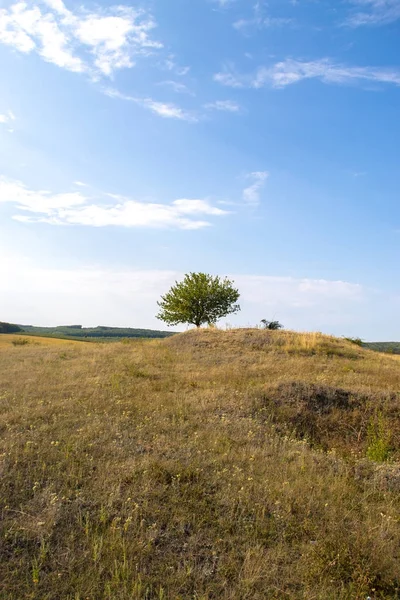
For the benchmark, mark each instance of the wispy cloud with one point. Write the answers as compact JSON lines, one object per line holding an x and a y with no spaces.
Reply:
{"x":81,"y":184}
{"x":292,"y":71}
{"x":6,"y":119}
{"x":224,"y":106}
{"x":162,"y":109}
{"x":251,"y":194}
{"x":170,"y":64}
{"x":177,"y":86}
{"x":266,"y":22}
{"x":75,"y":208}
{"x":373,"y":12}
{"x":97,"y":42}
{"x":231,"y":78}
{"x":223,"y":3}
{"x":260,"y":19}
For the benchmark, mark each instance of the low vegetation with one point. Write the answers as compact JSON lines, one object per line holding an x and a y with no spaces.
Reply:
{"x":237,"y":465}
{"x":98,"y":333}
{"x":389,"y":347}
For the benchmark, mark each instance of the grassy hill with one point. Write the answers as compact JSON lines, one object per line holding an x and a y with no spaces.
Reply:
{"x":237,"y":465}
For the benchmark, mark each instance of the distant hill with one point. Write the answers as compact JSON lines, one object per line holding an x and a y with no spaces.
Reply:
{"x":389,"y":347}
{"x":9,"y":328}
{"x":77,"y":331}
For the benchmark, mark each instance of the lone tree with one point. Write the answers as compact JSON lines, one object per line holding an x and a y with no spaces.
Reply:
{"x":198,"y":299}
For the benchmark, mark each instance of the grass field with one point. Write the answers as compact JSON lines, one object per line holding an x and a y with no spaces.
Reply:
{"x":16,"y":339}
{"x":211,"y":465}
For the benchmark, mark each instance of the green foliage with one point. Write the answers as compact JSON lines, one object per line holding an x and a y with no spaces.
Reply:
{"x":21,"y":342}
{"x":198,"y":299}
{"x":379,"y":437}
{"x":389,"y":347}
{"x":354,"y":340}
{"x":77,"y":331}
{"x":271,"y":325}
{"x":9,"y":328}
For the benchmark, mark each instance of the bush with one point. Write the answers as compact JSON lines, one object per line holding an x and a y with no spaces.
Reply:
{"x":379,"y":436}
{"x":21,"y":342}
{"x":354,"y":340}
{"x":271,"y":325}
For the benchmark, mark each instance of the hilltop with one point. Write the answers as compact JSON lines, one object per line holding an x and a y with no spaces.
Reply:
{"x":241,"y":464}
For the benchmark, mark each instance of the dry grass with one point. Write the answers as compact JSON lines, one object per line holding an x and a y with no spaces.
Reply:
{"x":185,"y":469}
{"x":15,"y":339}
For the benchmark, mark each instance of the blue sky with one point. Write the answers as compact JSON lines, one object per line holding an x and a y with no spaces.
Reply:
{"x":143,"y":140}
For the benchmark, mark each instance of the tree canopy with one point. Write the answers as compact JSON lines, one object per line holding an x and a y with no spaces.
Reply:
{"x":9,"y":328}
{"x":198,"y":299}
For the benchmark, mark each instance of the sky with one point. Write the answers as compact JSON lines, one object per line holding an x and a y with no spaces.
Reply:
{"x":256,"y":140}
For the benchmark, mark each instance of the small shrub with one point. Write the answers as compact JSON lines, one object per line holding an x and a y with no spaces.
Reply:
{"x":271,"y":325}
{"x":379,"y":436}
{"x":354,"y":340}
{"x":20,"y":342}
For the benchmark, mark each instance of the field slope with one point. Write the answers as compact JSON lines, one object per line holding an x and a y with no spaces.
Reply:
{"x":19,"y":339}
{"x":237,"y":465}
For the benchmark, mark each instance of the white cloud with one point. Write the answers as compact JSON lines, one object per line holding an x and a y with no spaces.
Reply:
{"x":230,"y":78}
{"x":244,"y":25}
{"x":162,"y":109}
{"x":81,"y":41}
{"x":7,"y":118}
{"x":260,"y":19}
{"x":223,"y":3}
{"x":223,"y":105}
{"x":295,"y":292}
{"x":251,"y":194}
{"x":74,"y":208}
{"x":292,"y":71}
{"x":32,"y":293}
{"x":178,"y":87}
{"x":80,"y":184}
{"x":170,"y":64}
{"x":168,"y":110}
{"x":374,"y":12}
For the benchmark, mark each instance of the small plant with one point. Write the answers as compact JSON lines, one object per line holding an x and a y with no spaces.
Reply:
{"x":271,"y":325}
{"x":379,"y":436}
{"x":354,"y":340}
{"x":20,"y":342}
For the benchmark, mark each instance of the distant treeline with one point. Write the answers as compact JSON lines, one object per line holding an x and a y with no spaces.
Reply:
{"x":77,"y":331}
{"x":9,"y":328}
{"x":389,"y":347}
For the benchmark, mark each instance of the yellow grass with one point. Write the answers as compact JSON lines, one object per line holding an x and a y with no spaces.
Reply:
{"x":208,"y":466}
{"x":9,"y":339}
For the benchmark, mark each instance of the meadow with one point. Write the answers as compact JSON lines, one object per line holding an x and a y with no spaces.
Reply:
{"x":211,"y":465}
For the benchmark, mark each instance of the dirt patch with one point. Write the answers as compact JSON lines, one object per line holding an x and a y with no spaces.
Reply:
{"x":331,"y":417}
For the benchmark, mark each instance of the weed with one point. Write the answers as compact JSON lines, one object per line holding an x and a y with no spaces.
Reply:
{"x":20,"y":342}
{"x":379,"y":439}
{"x":354,"y":340}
